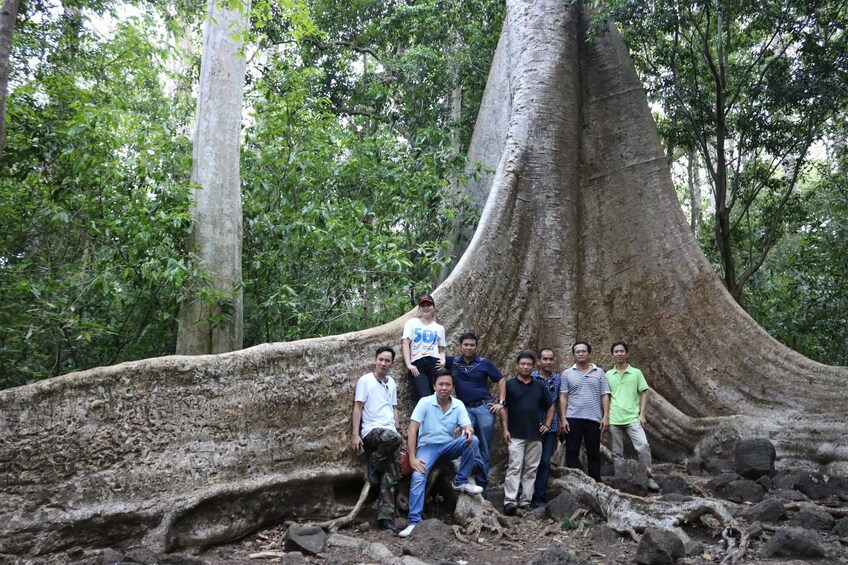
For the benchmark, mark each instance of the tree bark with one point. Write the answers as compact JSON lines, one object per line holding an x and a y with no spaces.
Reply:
{"x":8,"y":15}
{"x":581,"y":237}
{"x":211,"y":321}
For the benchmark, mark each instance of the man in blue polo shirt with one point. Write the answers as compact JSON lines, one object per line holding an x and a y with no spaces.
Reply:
{"x":586,"y":398}
{"x":471,"y":377}
{"x":431,"y":439}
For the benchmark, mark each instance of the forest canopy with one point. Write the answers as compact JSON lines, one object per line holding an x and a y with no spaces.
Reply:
{"x":355,"y":123}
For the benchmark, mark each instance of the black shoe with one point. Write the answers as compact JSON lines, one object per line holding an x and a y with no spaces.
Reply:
{"x":386,"y":524}
{"x":509,"y":509}
{"x":524,"y":507}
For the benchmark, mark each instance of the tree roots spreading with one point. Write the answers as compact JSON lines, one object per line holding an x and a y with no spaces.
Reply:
{"x":473,"y":514}
{"x":629,"y":514}
{"x":335,"y":524}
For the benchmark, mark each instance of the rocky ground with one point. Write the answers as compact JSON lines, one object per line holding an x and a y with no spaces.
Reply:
{"x":787,"y":517}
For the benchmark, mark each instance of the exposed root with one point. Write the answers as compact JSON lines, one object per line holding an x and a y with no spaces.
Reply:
{"x":475,"y":514}
{"x":551,"y":529}
{"x":336,"y":523}
{"x":835,"y":512}
{"x":629,"y":514}
{"x":735,"y":549}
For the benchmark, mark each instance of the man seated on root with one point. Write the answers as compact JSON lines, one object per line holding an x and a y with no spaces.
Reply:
{"x":526,"y":399}
{"x":432,"y":428}
{"x":471,"y":377}
{"x":628,"y":410}
{"x":585,"y":396}
{"x":375,"y":431}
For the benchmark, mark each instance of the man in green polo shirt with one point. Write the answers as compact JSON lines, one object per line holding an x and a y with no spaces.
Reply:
{"x":628,"y":406}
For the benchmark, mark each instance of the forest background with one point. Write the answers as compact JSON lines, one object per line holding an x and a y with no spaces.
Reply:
{"x":356,"y":118}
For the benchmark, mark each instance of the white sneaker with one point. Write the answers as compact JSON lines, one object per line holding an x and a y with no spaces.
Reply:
{"x":467,"y":488}
{"x":407,"y":531}
{"x":652,"y":485}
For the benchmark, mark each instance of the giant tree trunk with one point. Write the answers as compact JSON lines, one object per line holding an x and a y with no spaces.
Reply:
{"x":212,"y":320}
{"x":8,"y":15}
{"x":581,"y":237}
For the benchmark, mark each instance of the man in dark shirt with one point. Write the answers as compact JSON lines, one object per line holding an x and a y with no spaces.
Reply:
{"x":471,"y":376}
{"x":525,"y":397}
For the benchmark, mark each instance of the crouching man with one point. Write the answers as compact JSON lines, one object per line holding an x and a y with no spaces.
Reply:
{"x":375,"y":430}
{"x":431,"y":440}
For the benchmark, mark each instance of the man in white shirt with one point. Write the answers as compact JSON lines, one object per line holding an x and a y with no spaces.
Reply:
{"x":375,"y":431}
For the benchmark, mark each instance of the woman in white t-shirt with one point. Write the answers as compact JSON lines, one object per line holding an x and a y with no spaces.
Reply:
{"x":423,"y":346}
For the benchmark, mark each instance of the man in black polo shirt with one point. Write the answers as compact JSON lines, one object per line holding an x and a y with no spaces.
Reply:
{"x":526,"y":398}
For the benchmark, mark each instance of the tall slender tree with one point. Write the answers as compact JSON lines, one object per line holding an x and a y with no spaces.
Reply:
{"x":8,"y":15}
{"x":211,"y":320}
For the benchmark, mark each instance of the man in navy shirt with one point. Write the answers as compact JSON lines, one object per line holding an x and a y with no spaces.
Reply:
{"x":471,"y":376}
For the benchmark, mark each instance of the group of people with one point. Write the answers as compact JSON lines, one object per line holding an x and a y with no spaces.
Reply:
{"x":454,"y":417}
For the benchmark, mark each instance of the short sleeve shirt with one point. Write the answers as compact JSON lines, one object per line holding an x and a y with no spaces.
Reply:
{"x":378,"y":402}
{"x":584,"y":392}
{"x":471,"y":380}
{"x":553,"y":384}
{"x":524,"y":403}
{"x":437,"y":427}
{"x":625,"y":389}
{"x":424,"y":339}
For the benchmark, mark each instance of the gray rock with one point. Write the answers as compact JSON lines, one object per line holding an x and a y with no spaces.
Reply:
{"x":766,"y":483}
{"x":818,"y":487}
{"x":718,"y":482}
{"x":742,"y":490}
{"x":335,"y":560}
{"x":630,"y":477}
{"x":694,"y":466}
{"x":769,"y":510}
{"x":110,"y":557}
{"x":715,"y":465}
{"x":841,"y":528}
{"x":693,"y":548}
{"x":793,"y":542}
{"x":603,"y":535}
{"x":563,"y":506}
{"x":789,"y":494}
{"x":148,"y":557}
{"x":659,"y":547}
{"x":308,"y":538}
{"x":673,"y":484}
{"x":294,"y":558}
{"x":437,"y":539}
{"x":812,"y":518}
{"x":755,"y":530}
{"x":557,"y":556}
{"x":754,"y":458}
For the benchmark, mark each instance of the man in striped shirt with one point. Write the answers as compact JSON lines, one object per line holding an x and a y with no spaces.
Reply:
{"x":586,"y":398}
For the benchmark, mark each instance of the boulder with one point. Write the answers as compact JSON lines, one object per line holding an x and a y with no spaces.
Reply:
{"x":720,"y":481}
{"x":438,"y":540}
{"x":841,"y":528}
{"x":754,"y":458}
{"x":789,"y":494}
{"x":563,"y":506}
{"x":659,"y":547}
{"x":812,"y":518}
{"x":307,"y":538}
{"x":793,"y":542}
{"x":630,"y":477}
{"x":766,"y":483}
{"x":716,"y":465}
{"x":769,"y":510}
{"x":741,"y":490}
{"x":673,"y":484}
{"x":819,"y":487}
{"x":294,"y":558}
{"x":603,"y":535}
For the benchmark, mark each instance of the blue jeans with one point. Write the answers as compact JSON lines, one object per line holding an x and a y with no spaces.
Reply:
{"x":483,"y":422}
{"x":549,"y":445}
{"x":431,"y":455}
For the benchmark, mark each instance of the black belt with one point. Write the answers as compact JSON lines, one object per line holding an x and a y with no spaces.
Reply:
{"x":477,"y":403}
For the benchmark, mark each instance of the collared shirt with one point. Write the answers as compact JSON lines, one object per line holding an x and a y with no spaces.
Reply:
{"x":553,"y":384}
{"x":584,"y":392}
{"x":471,"y":380}
{"x":438,"y":427}
{"x":524,"y":403}
{"x":378,"y":400}
{"x":625,"y":389}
